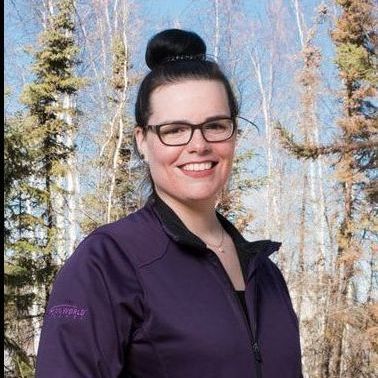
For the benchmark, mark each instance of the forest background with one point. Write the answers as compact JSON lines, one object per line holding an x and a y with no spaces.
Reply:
{"x":305,"y":73}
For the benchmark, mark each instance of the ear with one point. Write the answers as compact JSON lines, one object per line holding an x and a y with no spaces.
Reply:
{"x":140,"y":139}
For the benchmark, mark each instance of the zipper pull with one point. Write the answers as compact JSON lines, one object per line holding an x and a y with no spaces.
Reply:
{"x":256,"y":349}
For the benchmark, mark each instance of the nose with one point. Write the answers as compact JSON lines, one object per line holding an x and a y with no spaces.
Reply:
{"x":198,"y":143}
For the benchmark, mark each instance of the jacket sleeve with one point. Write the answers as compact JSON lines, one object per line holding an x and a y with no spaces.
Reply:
{"x":278,"y":274}
{"x":281,"y":281}
{"x":93,"y":309}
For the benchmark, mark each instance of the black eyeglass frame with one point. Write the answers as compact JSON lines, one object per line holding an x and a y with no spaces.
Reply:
{"x":156,"y":129}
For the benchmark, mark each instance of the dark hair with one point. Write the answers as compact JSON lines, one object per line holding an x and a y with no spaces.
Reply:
{"x":174,"y":55}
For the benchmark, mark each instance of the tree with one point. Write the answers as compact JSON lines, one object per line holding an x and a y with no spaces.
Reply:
{"x":19,"y":267}
{"x":113,"y":192}
{"x":38,"y":145}
{"x":355,"y":39}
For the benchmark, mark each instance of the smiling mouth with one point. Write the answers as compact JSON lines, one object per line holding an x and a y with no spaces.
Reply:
{"x":196,"y":167}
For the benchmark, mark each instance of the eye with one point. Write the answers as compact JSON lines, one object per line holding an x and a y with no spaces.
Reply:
{"x":174,"y":129}
{"x":219,"y":125}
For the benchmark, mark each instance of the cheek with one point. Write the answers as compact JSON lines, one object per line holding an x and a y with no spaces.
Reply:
{"x":228,"y":160}
{"x":227,"y":152}
{"x":161,"y":156}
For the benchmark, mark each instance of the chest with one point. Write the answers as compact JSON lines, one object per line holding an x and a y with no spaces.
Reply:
{"x":230,"y":262}
{"x":194,"y":314}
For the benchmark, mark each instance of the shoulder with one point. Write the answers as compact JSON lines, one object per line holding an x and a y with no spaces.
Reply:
{"x":275,"y":279}
{"x":138,"y":238}
{"x":269,"y":270}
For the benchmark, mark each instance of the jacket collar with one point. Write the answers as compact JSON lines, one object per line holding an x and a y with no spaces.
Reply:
{"x":255,"y":251}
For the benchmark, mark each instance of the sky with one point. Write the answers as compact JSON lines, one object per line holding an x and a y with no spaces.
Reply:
{"x":20,"y":33}
{"x":21,"y":30}
{"x":167,"y":8}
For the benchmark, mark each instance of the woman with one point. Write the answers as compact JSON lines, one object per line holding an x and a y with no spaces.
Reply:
{"x":174,"y":290}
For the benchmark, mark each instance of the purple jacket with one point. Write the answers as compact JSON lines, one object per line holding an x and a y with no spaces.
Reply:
{"x":144,"y":298}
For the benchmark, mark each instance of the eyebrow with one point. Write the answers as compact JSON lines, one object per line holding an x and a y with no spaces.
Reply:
{"x":208,"y":119}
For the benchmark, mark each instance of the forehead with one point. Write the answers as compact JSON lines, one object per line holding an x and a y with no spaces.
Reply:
{"x":191,"y":100}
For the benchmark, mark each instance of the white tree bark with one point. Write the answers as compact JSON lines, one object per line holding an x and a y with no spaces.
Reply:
{"x":299,"y":20}
{"x":65,"y":199}
{"x":266,"y":93}
{"x":114,"y":169}
{"x":119,"y":114}
{"x":72,"y":181}
{"x":217,"y":31}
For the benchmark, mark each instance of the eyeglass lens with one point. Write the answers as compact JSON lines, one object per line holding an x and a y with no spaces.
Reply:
{"x":180,"y":133}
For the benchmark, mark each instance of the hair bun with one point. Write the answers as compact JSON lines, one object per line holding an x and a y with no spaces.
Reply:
{"x":171,"y":43}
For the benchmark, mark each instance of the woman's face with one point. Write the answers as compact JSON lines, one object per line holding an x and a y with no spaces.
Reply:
{"x":196,"y":171}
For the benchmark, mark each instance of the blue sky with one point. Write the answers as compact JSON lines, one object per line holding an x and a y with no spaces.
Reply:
{"x":168,"y":7}
{"x":21,"y":29}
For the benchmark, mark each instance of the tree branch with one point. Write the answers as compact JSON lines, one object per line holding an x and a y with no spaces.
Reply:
{"x":313,"y":151}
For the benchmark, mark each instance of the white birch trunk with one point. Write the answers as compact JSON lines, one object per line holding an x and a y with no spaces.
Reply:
{"x":266,"y":98}
{"x":65,"y":199}
{"x":72,"y":181}
{"x":299,"y":20}
{"x":114,"y":169}
{"x":217,"y":32}
{"x":118,"y":117}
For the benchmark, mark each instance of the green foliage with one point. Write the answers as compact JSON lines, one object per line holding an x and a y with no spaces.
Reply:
{"x":356,"y":41}
{"x":353,"y":61}
{"x":17,"y":154}
{"x":35,"y":157}
{"x":126,"y":197}
{"x":23,"y":367}
{"x":119,"y":65}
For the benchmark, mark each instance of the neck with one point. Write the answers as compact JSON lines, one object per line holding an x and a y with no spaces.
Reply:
{"x":199,"y":217}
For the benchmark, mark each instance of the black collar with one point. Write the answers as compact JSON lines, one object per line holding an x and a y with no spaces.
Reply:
{"x":176,"y":230}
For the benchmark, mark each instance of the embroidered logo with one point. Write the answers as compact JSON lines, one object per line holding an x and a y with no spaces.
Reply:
{"x":67,"y":311}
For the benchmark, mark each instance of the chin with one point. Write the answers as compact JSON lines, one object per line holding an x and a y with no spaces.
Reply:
{"x":192,"y":193}
{"x":201,"y":196}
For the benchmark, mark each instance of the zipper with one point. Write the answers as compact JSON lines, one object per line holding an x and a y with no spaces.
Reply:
{"x":251,"y":331}
{"x":252,"y":335}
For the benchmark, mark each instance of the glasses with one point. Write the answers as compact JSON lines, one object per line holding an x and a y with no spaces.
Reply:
{"x":181,"y":133}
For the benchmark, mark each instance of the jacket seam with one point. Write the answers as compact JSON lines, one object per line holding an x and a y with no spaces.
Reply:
{"x":147,"y":321}
{"x":142,"y":265}
{"x":113,"y":318}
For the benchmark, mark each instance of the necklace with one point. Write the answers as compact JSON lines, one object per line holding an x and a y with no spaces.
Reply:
{"x":219,"y":246}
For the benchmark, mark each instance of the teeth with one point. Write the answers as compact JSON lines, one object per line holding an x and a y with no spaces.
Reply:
{"x":197,"y":166}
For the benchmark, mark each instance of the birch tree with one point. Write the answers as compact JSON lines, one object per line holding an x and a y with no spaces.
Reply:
{"x":113,"y":182}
